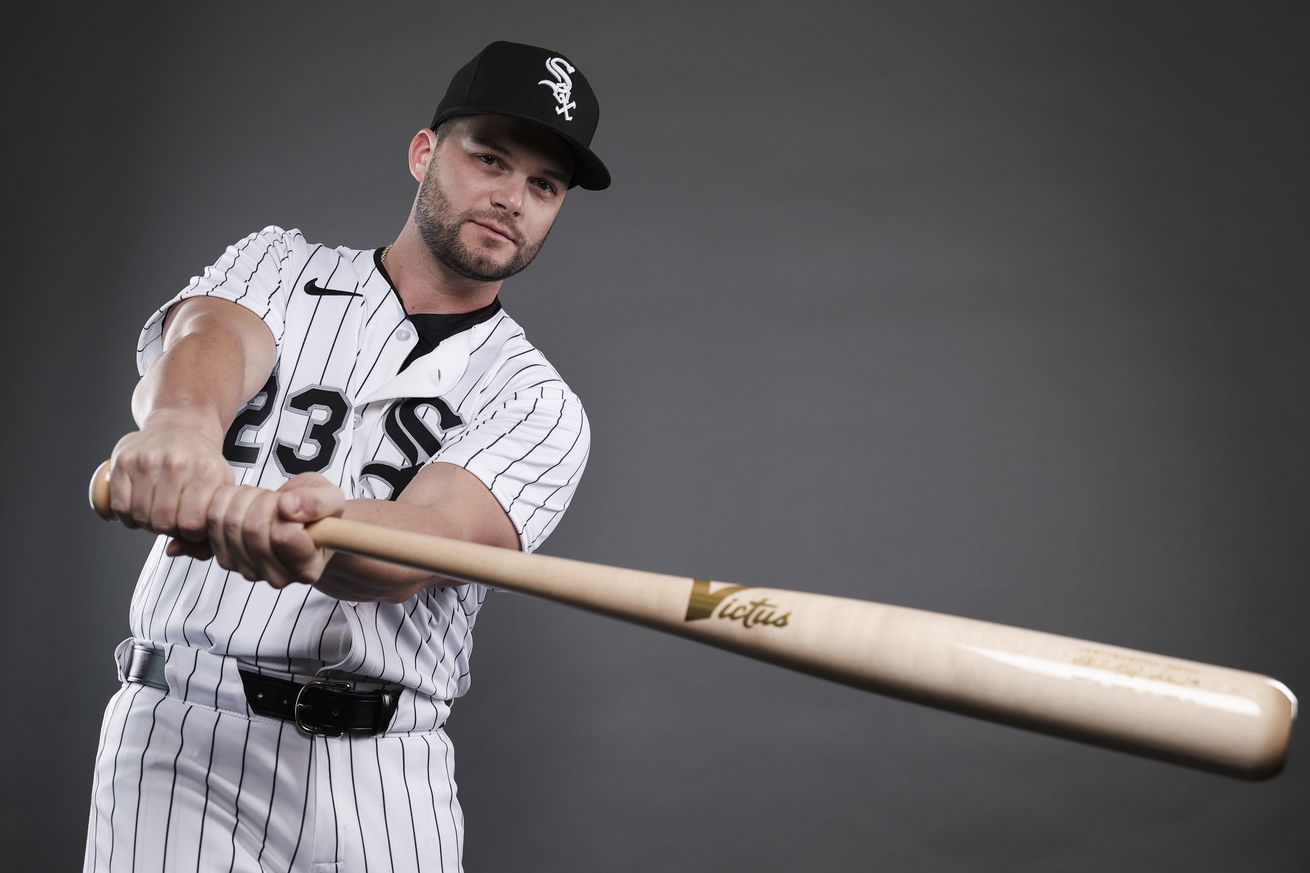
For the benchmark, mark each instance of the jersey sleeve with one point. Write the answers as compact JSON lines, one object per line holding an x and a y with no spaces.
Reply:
{"x":250,"y":272}
{"x":530,"y":451}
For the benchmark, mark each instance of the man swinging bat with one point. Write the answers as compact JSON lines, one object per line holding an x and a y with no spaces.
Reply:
{"x":267,"y":725}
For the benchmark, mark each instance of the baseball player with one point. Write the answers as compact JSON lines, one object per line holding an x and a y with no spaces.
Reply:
{"x":282,"y":706}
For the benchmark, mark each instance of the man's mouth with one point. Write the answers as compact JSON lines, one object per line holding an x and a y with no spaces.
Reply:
{"x":497,"y":230}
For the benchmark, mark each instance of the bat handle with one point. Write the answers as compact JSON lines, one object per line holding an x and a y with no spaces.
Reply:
{"x":98,"y":493}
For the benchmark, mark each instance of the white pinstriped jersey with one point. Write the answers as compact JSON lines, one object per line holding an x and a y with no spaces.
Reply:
{"x":344,"y":400}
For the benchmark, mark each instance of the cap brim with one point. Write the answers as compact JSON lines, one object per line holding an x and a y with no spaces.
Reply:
{"x":588,"y":170}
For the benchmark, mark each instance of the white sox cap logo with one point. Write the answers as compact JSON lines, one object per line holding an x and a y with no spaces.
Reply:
{"x":562,"y":86}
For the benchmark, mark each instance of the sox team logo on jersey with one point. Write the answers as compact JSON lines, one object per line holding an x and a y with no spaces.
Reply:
{"x":562,"y":87}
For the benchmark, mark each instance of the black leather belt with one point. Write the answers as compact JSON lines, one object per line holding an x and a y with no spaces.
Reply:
{"x":322,"y":707}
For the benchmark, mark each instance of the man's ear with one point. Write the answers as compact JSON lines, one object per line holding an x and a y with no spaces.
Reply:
{"x":421,"y":149}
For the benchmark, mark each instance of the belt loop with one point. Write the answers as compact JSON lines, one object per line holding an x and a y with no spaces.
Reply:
{"x":146,"y":667}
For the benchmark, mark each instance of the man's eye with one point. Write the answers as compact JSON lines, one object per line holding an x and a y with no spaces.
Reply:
{"x":545,"y":186}
{"x":489,"y":160}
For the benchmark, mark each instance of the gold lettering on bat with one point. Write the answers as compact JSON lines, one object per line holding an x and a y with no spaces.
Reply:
{"x":706,"y":604}
{"x":1138,"y":667}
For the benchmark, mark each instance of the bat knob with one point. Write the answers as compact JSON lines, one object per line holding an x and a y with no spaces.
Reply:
{"x":99,"y":491}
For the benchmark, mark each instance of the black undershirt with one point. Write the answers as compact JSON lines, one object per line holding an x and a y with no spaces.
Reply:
{"x":433,"y":327}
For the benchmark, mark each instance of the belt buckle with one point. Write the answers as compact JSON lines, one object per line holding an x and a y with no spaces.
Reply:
{"x":309,"y":727}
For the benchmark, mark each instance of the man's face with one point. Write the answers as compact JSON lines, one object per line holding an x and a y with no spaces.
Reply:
{"x":491,"y":192}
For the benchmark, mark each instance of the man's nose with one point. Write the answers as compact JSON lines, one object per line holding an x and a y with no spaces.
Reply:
{"x":509,"y":197}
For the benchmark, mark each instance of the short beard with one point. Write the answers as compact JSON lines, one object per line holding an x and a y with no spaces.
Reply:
{"x":439,"y":227}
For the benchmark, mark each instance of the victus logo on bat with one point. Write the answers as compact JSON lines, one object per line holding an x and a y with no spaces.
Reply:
{"x":724,"y":605}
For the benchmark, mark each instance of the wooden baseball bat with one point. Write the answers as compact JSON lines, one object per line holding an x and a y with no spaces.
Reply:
{"x":1200,"y":715}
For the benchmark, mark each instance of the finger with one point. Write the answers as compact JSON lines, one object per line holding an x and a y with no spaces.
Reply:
{"x":143,"y":494}
{"x":120,"y":493}
{"x":256,"y":538}
{"x":308,"y":498}
{"x":233,"y":532}
{"x":215,"y":531}
{"x":193,"y":508}
{"x":178,"y":548}
{"x":296,"y":551}
{"x":169,"y":483}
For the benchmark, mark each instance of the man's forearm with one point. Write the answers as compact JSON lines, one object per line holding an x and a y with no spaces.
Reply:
{"x":214,"y":361}
{"x":216,"y":355}
{"x":387,"y":581}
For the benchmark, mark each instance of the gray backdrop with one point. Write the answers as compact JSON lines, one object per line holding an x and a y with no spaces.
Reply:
{"x":992,"y":309}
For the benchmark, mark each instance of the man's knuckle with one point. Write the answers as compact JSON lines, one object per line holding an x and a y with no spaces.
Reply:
{"x":191,"y":518}
{"x":191,"y":528}
{"x":285,"y":536}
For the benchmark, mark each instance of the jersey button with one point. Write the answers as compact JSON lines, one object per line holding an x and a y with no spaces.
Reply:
{"x":402,"y":335}
{"x":357,"y":420}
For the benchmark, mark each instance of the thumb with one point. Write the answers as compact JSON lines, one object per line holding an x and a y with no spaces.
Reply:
{"x":306,"y":504}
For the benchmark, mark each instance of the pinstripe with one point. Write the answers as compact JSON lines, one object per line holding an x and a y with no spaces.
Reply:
{"x":377,"y":630}
{"x":304,"y":808}
{"x":364,"y":382}
{"x":113,"y":780}
{"x":450,"y":785}
{"x":272,"y":795}
{"x":162,"y":589}
{"x":332,"y":794}
{"x":423,"y":647}
{"x":507,"y":433}
{"x":241,"y":783}
{"x":542,"y":475}
{"x":524,"y":457}
{"x":436,"y":823}
{"x":172,"y":792}
{"x":509,"y":380}
{"x":386,"y":818}
{"x":350,"y":747}
{"x":409,"y":801}
{"x":199,"y":589}
{"x":395,"y":643}
{"x":204,"y":808}
{"x":145,"y":750}
{"x":236,"y":256}
{"x":572,"y":481}
{"x":291,"y":633}
{"x":251,"y":277}
{"x":445,"y":649}
{"x":336,"y":610}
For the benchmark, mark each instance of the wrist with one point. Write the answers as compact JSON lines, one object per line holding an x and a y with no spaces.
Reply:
{"x":202,"y":423}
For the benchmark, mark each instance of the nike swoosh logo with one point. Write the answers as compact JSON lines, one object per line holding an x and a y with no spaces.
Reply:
{"x":319,"y":291}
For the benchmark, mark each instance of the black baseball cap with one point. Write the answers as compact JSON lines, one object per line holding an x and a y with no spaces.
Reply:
{"x":537,"y":85}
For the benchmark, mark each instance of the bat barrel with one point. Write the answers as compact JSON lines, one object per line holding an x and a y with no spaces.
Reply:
{"x":1183,"y":711}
